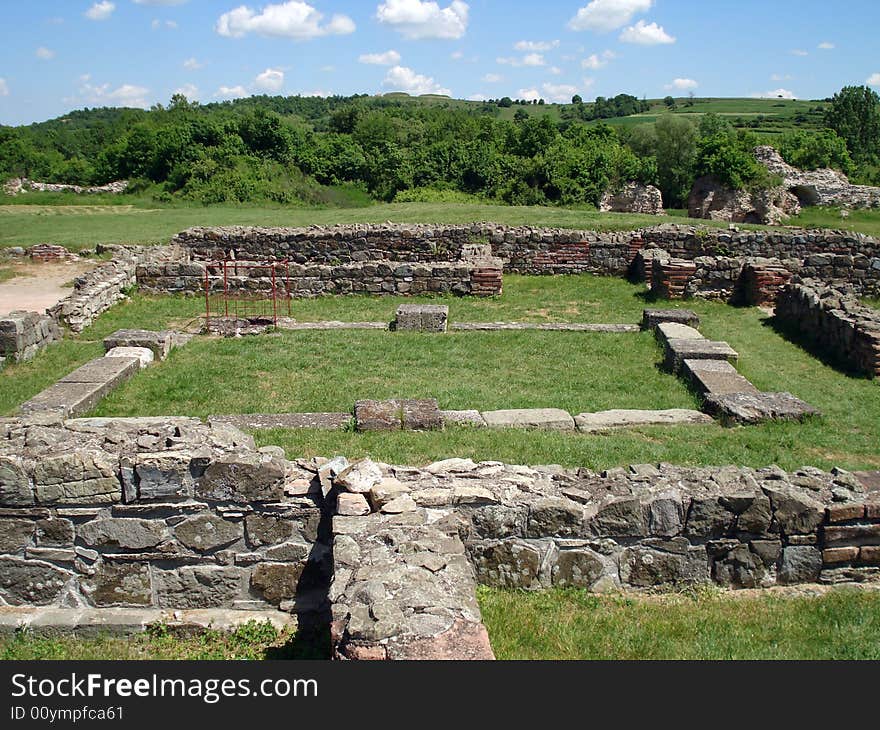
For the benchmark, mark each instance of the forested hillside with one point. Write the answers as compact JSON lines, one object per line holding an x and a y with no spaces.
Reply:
{"x":343,"y":150}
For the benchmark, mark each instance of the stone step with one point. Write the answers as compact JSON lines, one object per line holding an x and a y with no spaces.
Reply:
{"x":677,"y":351}
{"x":547,"y":419}
{"x":666,"y":331}
{"x":715,"y":377}
{"x":607,"y":420}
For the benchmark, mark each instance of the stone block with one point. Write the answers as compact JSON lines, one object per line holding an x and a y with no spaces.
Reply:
{"x":110,"y":372}
{"x":715,"y":377}
{"x":607,"y":420}
{"x":160,"y":343}
{"x":547,"y":419}
{"x":463,"y":418}
{"x":399,"y":414}
{"x":675,"y":331}
{"x":677,"y":351}
{"x":853,"y":535}
{"x":832,"y":556}
{"x":653,"y":317}
{"x":66,"y":399}
{"x":349,"y":504}
{"x":422,"y":318}
{"x":144,"y":355}
{"x":742,"y":409}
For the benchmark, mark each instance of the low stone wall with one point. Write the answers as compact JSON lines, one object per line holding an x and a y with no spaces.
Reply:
{"x":826,"y":255}
{"x":17,"y":186}
{"x":99,"y":289}
{"x":381,"y":277}
{"x":154,"y":512}
{"x":23,"y":334}
{"x":833,"y":319}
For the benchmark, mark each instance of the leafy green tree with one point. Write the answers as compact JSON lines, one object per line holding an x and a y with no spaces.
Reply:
{"x":812,"y":151}
{"x":854,"y":115}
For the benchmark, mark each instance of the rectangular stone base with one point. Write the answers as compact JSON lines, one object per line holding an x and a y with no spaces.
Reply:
{"x":677,"y":351}
{"x":715,"y":377}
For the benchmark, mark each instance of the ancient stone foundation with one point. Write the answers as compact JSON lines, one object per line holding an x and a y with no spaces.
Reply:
{"x":23,"y":334}
{"x":833,"y":319}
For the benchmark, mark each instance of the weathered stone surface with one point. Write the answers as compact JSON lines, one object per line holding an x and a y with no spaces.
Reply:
{"x":77,"y":477}
{"x":555,"y":517}
{"x":261,"y":421}
{"x":142,"y":354}
{"x":799,"y":564}
{"x":372,"y":415}
{"x":666,"y":331}
{"x":207,"y":532}
{"x":359,"y":477}
{"x":15,"y":486}
{"x":622,"y":517}
{"x":710,"y":199}
{"x":795,"y":512}
{"x":120,"y":584}
{"x":121,"y":532}
{"x":546,"y":419}
{"x":715,"y":377}
{"x":109,"y":372}
{"x":276,"y":582}
{"x":463,"y":418}
{"x":421,"y":318}
{"x":15,"y":535}
{"x":159,"y":343}
{"x":30,"y":582}
{"x":243,"y":477}
{"x":633,"y":198}
{"x":198,"y":586}
{"x":67,"y":399}
{"x":352,"y":505}
{"x":386,"y":491}
{"x":709,"y":517}
{"x":267,"y":529}
{"x":608,"y":420}
{"x":743,"y":409}
{"x":421,"y":415}
{"x":653,"y":317}
{"x":498,"y":521}
{"x":577,"y":568}
{"x":56,"y":532}
{"x":677,"y":351}
{"x":158,"y":476}
{"x":507,"y":563}
{"x":643,"y":567}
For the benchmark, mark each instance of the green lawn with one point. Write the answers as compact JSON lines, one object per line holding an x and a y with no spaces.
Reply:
{"x":329,"y":370}
{"x":252,"y":641}
{"x":843,"y":624}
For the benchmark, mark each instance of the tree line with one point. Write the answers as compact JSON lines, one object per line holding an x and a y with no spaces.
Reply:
{"x":338,"y":149}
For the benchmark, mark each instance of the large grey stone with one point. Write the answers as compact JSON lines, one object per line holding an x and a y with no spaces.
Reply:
{"x":87,"y":476}
{"x":743,"y":409}
{"x":555,"y":517}
{"x":245,"y":477}
{"x":359,"y":477}
{"x":507,"y":563}
{"x":652,"y":317}
{"x":608,"y":420}
{"x":547,"y":419}
{"x":122,"y":532}
{"x":120,"y":584}
{"x":646,"y":567}
{"x":160,"y":343}
{"x":15,"y":486}
{"x":108,"y":371}
{"x":15,"y":535}
{"x":207,"y":532}
{"x":198,"y":586}
{"x":264,"y":530}
{"x":667,"y":331}
{"x":715,"y":377}
{"x":795,"y":513}
{"x":422,"y":318}
{"x":277,"y":582}
{"x":30,"y":582}
{"x":577,"y":568}
{"x":677,"y":351}
{"x":799,"y":564}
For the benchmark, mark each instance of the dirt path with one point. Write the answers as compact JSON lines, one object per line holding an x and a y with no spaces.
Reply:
{"x":35,"y":287}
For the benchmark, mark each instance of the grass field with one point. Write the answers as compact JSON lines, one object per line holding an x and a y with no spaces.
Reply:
{"x":556,"y":625}
{"x":328,"y":370}
{"x":80,"y":224}
{"x":707,"y":625}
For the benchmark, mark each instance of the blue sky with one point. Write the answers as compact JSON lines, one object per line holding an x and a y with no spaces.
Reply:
{"x":58,"y":55}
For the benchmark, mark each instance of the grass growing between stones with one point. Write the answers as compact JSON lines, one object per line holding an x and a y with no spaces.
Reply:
{"x":562,"y":624}
{"x":251,"y":641}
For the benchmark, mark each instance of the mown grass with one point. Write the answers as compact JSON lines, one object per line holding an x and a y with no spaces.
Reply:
{"x":251,"y":641}
{"x":572,"y":624}
{"x":329,"y":370}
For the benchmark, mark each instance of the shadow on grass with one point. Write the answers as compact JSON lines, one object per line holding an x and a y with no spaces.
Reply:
{"x":310,"y":642}
{"x":825,"y":356}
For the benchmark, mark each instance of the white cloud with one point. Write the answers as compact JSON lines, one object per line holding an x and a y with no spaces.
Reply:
{"x":493,"y":78}
{"x":272,"y":79}
{"x":826,"y":46}
{"x":190,"y":91}
{"x":530,"y":59}
{"x":456,"y":55}
{"x":595,"y":61}
{"x":775,"y":94}
{"x":873,"y":80}
{"x":682,"y":85}
{"x":230,"y":92}
{"x":157,"y":24}
{"x":528,"y":94}
{"x":294,"y":19}
{"x":45,"y":54}
{"x":559,"y":92}
{"x":799,"y":52}
{"x":646,"y":34}
{"x":100,"y":10}
{"x":159,"y":2}
{"x":193,"y":64}
{"x":4,"y":87}
{"x":555,"y":70}
{"x":607,"y":15}
{"x":128,"y":95}
{"x":416,"y":19}
{"x":405,"y":79}
{"x":540,"y":46}
{"x":389,"y":58}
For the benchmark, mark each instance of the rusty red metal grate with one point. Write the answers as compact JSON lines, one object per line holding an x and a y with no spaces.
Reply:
{"x":251,"y":292}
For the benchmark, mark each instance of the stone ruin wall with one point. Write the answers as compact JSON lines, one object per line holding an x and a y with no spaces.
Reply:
{"x":24,"y":334}
{"x":833,"y":319}
{"x":720,"y":254}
